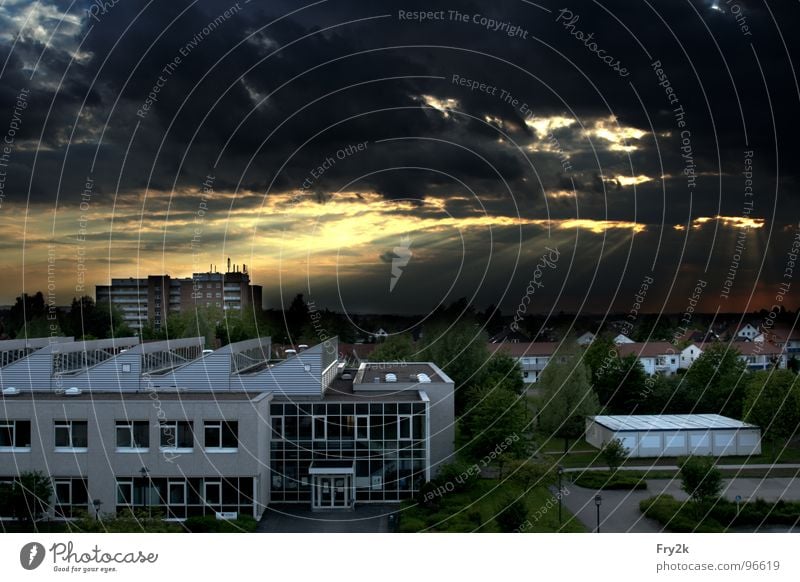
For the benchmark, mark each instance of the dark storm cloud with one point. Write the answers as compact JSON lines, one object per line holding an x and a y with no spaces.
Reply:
{"x":274,"y":107}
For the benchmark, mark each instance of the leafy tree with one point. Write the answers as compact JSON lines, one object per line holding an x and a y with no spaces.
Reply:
{"x":396,"y":348}
{"x":25,"y":308}
{"x":495,"y":423}
{"x":772,"y":402}
{"x":619,"y":382}
{"x":566,"y":399}
{"x":529,"y":473}
{"x":503,"y":370}
{"x":715,"y":381}
{"x":460,"y":350}
{"x":30,"y":495}
{"x":296,"y":317}
{"x":793,"y":364}
{"x":614,"y":454}
{"x":512,"y":515}
{"x":700,"y":478}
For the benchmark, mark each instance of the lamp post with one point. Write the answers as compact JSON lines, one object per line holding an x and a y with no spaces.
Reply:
{"x":598,"y":501}
{"x":560,"y":473}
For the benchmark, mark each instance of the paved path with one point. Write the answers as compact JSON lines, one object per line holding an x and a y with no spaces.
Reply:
{"x":300,"y":519}
{"x":619,"y":511}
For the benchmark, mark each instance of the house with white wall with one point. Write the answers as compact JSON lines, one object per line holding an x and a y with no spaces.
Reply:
{"x":655,"y":357}
{"x":689,"y":354}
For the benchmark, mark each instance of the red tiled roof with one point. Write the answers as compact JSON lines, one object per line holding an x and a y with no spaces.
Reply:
{"x":648,"y":350}
{"x":525,"y":349}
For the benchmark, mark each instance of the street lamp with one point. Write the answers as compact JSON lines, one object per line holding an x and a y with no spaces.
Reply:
{"x":560,"y":473}
{"x":598,"y":501}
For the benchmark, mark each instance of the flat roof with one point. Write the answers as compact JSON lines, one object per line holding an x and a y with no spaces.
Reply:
{"x":88,"y":395}
{"x":406,"y":372}
{"x":342,"y":390}
{"x":669,"y":422}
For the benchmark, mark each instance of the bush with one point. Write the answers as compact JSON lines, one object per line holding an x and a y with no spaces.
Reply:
{"x":127,"y":522}
{"x":411,"y":524}
{"x":210,"y":524}
{"x":608,"y":481}
{"x":513,"y":514}
{"x":676,"y":516}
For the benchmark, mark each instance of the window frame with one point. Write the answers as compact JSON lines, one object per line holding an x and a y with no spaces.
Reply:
{"x":131,"y":426}
{"x":365,"y":418}
{"x":70,"y":426}
{"x":323,"y":419}
{"x":15,"y":446}
{"x":174,"y":424}
{"x":220,"y":425}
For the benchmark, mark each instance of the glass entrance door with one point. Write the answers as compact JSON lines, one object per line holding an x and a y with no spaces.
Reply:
{"x":331,"y":491}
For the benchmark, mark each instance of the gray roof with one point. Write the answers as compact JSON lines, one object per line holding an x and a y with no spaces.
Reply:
{"x":669,"y":422}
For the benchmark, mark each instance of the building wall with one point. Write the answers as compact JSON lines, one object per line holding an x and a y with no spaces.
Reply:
{"x":718,"y":442}
{"x":102,"y":465}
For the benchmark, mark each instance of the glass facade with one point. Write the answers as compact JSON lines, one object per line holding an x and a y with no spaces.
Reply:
{"x":385,"y":441}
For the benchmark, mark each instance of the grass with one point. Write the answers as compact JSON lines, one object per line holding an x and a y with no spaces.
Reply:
{"x":475,"y":509}
{"x":720,"y":515}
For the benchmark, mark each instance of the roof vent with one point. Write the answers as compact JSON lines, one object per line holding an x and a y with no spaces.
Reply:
{"x":391,"y":377}
{"x":303,"y":347}
{"x":423,"y":378}
{"x":291,"y":352}
{"x":74,"y":391}
{"x":10,"y":391}
{"x":347,"y":376}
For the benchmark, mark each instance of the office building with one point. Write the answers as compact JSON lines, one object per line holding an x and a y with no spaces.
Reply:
{"x":118,"y":424}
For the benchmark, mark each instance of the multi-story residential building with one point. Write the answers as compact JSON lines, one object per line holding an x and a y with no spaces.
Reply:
{"x":154,"y":298}
{"x":118,"y":424}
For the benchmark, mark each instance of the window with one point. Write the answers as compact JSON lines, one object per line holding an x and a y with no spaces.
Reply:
{"x":177,"y":435}
{"x":404,"y":427}
{"x":70,"y":494}
{"x":362,"y":428}
{"x":72,"y":434}
{"x":15,"y":434}
{"x":133,"y":434}
{"x":319,"y":428}
{"x":222,"y":435}
{"x":208,"y":295}
{"x":125,"y":492}
{"x":277,"y":426}
{"x":219,"y":294}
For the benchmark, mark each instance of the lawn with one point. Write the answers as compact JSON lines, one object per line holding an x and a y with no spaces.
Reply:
{"x":474,"y":510}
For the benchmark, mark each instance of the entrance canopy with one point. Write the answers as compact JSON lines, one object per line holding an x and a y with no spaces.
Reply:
{"x":332,"y":468}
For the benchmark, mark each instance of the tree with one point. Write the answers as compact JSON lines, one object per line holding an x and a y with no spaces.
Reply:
{"x":396,"y":348}
{"x":772,"y":402}
{"x":495,"y":424}
{"x":619,"y":382}
{"x":614,"y":453}
{"x":512,"y":515}
{"x":460,"y":350}
{"x":30,"y":496}
{"x":529,"y":473}
{"x":503,"y":370}
{"x":567,"y":399}
{"x":715,"y":380}
{"x":700,"y":478}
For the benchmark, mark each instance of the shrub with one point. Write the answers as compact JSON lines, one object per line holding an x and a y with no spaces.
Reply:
{"x":614,"y":454}
{"x":411,"y":524}
{"x":513,"y":514}
{"x":608,"y":481}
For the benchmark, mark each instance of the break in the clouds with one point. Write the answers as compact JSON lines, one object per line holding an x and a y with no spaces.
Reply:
{"x":311,"y":141}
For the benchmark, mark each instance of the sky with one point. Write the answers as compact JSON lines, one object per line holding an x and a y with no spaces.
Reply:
{"x":392,"y":156}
